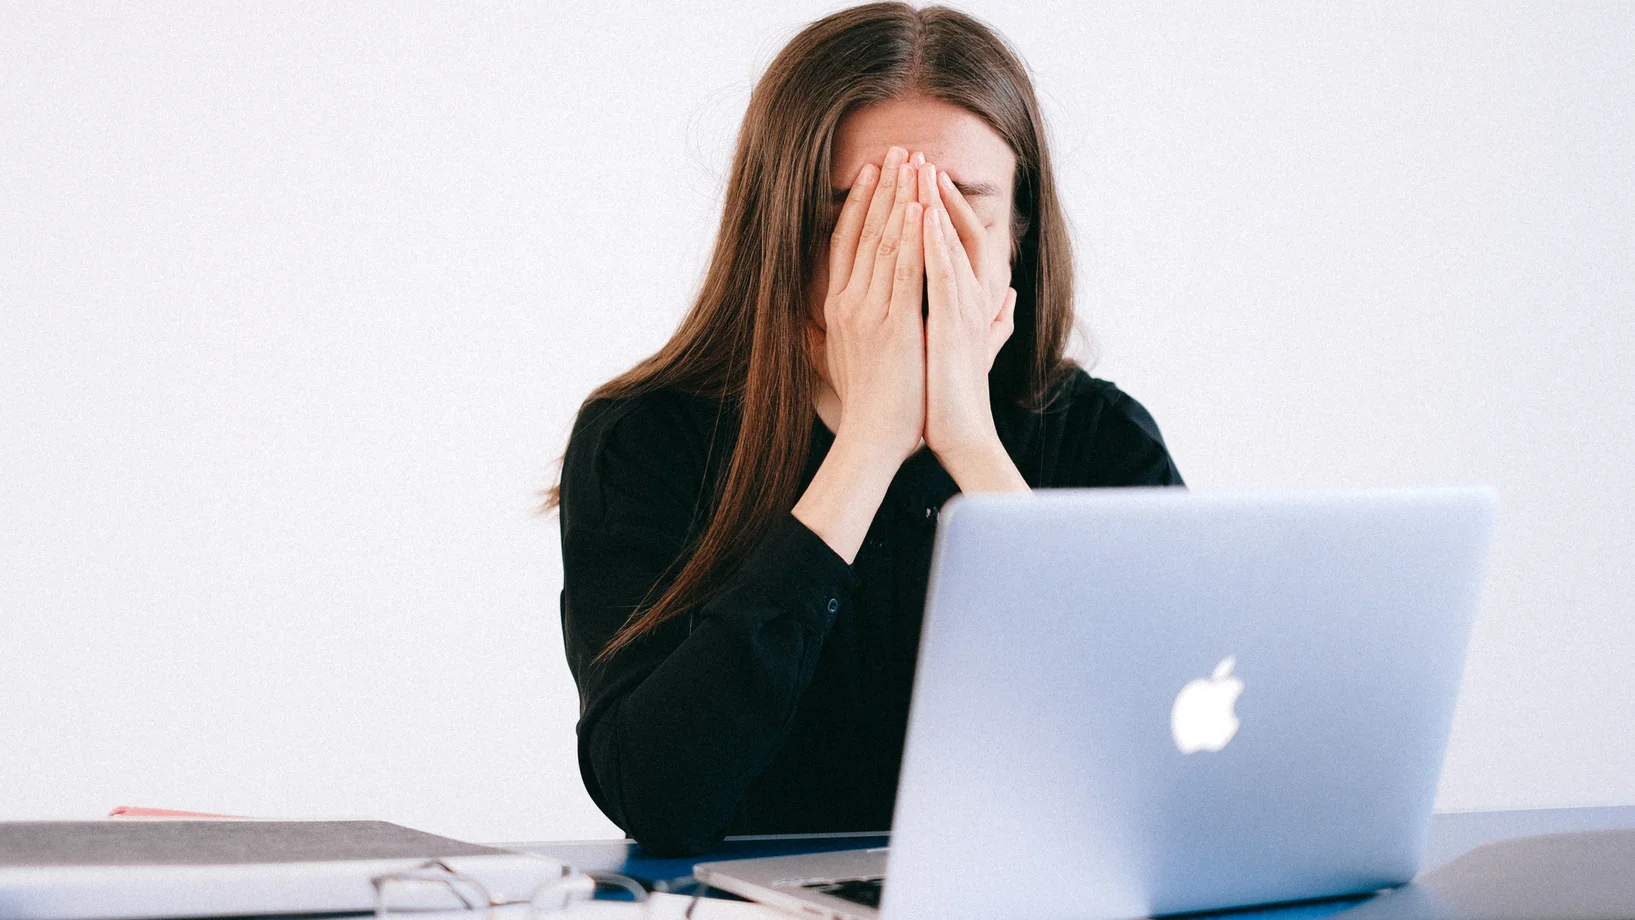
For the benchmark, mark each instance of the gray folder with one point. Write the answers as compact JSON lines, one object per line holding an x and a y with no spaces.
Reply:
{"x":128,"y":868}
{"x":169,"y":842}
{"x":1587,"y":875}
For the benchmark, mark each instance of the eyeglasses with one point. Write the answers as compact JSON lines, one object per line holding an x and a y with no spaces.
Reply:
{"x":436,"y":887}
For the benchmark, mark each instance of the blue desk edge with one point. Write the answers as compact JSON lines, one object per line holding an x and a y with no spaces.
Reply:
{"x":1452,"y":834}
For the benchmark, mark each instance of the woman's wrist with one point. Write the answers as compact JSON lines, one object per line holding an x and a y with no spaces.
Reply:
{"x":984,"y":466}
{"x":840,"y":503}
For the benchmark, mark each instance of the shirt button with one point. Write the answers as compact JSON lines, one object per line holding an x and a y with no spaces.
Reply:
{"x":834,"y":604}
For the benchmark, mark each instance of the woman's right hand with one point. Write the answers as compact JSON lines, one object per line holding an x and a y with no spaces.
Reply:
{"x":874,"y":333}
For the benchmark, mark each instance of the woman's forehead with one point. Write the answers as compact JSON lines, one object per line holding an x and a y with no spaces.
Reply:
{"x":953,"y":138}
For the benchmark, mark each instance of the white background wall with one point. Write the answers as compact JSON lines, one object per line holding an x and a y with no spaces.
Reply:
{"x":298,"y":307}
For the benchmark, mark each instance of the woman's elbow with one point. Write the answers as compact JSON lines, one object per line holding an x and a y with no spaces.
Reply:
{"x":664,"y":825}
{"x":669,"y":839}
{"x":664,"y":820}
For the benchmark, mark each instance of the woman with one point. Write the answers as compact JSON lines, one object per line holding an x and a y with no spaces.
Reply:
{"x":747,"y":515}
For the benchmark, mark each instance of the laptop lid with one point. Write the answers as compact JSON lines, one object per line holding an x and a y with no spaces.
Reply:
{"x":1145,"y":701}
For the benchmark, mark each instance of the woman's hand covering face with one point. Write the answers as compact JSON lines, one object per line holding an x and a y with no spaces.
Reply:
{"x":965,"y":324}
{"x":874,"y":336}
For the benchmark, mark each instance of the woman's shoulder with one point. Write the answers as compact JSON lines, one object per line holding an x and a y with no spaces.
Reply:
{"x":657,"y":444}
{"x":663,"y":413}
{"x":1093,"y":399}
{"x":1105,"y":434}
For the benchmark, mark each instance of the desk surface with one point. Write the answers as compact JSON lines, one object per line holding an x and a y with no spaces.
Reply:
{"x":1452,"y":834}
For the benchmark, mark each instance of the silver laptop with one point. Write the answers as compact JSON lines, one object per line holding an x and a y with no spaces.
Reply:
{"x":1149,"y":701}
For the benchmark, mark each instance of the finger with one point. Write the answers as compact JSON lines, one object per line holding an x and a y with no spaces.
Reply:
{"x":885,"y":263}
{"x":817,"y":341}
{"x":1003,"y":326}
{"x":966,"y":222}
{"x":962,"y":260}
{"x":927,"y":187}
{"x":909,"y":278}
{"x":843,"y":243}
{"x":874,"y":225}
{"x":1006,"y":321}
{"x":941,"y":284}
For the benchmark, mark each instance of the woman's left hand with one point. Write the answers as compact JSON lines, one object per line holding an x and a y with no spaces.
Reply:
{"x":965,"y":326}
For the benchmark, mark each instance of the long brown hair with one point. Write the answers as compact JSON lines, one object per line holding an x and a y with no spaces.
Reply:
{"x":744,"y":340}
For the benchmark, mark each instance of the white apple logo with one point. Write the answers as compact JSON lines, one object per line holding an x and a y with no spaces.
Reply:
{"x":1202,"y":719}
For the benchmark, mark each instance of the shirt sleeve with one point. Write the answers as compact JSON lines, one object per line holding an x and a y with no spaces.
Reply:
{"x":675,"y":727}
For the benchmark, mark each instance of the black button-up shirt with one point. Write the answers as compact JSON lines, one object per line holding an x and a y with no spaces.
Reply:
{"x":780,"y":706}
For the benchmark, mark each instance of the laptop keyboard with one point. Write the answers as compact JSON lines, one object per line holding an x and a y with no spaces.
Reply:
{"x":864,"y":891}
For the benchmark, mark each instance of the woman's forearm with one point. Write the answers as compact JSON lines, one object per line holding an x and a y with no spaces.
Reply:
{"x":846,"y":492}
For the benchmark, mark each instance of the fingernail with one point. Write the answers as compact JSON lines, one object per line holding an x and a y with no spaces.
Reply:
{"x":919,"y":159}
{"x":946,"y":182}
{"x":867,"y":175}
{"x":896,"y":156}
{"x":913,"y":212}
